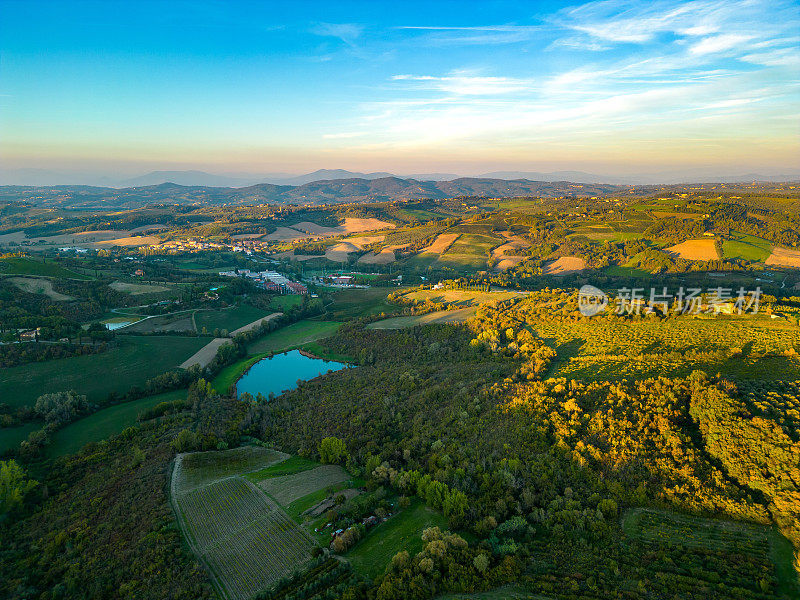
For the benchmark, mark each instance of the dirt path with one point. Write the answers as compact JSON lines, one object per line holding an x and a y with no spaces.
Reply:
{"x":254,"y":324}
{"x":205,"y":355}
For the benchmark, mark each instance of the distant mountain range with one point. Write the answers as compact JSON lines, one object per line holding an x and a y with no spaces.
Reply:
{"x":43,"y":177}
{"x":328,"y":191}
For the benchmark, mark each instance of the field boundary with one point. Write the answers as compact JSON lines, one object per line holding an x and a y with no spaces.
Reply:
{"x":243,"y":517}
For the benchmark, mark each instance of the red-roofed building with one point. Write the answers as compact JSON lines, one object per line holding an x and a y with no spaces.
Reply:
{"x":296,"y":288}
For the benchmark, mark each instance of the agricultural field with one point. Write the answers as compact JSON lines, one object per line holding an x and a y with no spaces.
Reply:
{"x":285,"y":302}
{"x":133,"y":360}
{"x":290,"y":466}
{"x":414,"y":235}
{"x":704,"y":249}
{"x":228,"y":318}
{"x":442,"y":316}
{"x":103,"y":424}
{"x":11,"y":437}
{"x":200,"y":468}
{"x":565,"y":266}
{"x":759,"y":546}
{"x":352,"y":303}
{"x":784,"y":257}
{"x":401,"y":532}
{"x":471,"y":248}
{"x":39,"y":285}
{"x":43,"y":268}
{"x":206,"y":354}
{"x":180,"y":321}
{"x":136,"y":289}
{"x":285,"y":489}
{"x":746,"y":247}
{"x":293,"y":335}
{"x":461,"y":297}
{"x":245,"y":540}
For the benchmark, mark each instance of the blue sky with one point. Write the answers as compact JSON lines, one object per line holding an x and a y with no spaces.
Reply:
{"x":617,"y":87}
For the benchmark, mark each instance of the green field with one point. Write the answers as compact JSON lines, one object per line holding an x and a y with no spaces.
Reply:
{"x":11,"y":437}
{"x":28,"y":266}
{"x":133,"y":361}
{"x":228,"y":318}
{"x":470,"y":250}
{"x":401,"y":532}
{"x":294,"y":335}
{"x":285,"y":302}
{"x":357,"y":302}
{"x":104,"y":423}
{"x":746,"y":247}
{"x":290,"y":466}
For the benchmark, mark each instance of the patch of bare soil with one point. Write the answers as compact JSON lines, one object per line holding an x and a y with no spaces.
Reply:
{"x":565,"y":266}
{"x":441,"y":243}
{"x":704,"y":249}
{"x":784,"y":257}
{"x":35,"y":285}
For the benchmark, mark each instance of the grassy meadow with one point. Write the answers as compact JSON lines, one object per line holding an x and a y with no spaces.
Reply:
{"x":11,"y":437}
{"x":746,"y":247}
{"x":22,"y":265}
{"x":104,"y":423}
{"x":132,"y":361}
{"x":402,"y":531}
{"x":229,"y":318}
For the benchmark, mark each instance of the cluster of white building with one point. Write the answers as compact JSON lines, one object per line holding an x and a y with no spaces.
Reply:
{"x":270,"y":280}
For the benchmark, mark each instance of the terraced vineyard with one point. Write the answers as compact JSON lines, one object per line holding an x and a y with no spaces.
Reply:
{"x":243,"y":537}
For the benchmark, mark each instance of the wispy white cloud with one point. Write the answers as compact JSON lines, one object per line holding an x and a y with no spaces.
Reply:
{"x":478,"y":35}
{"x":670,"y":73}
{"x":346,"y":32}
{"x":780,"y":57}
{"x":462,"y":83}
{"x":719,"y":43}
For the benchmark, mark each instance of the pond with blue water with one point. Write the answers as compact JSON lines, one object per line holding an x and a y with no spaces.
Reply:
{"x":280,"y":373}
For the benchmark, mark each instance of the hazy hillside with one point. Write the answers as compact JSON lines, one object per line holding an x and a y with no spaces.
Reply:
{"x":317,"y":192}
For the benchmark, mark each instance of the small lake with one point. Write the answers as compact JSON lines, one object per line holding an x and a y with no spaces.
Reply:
{"x":281,"y":372}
